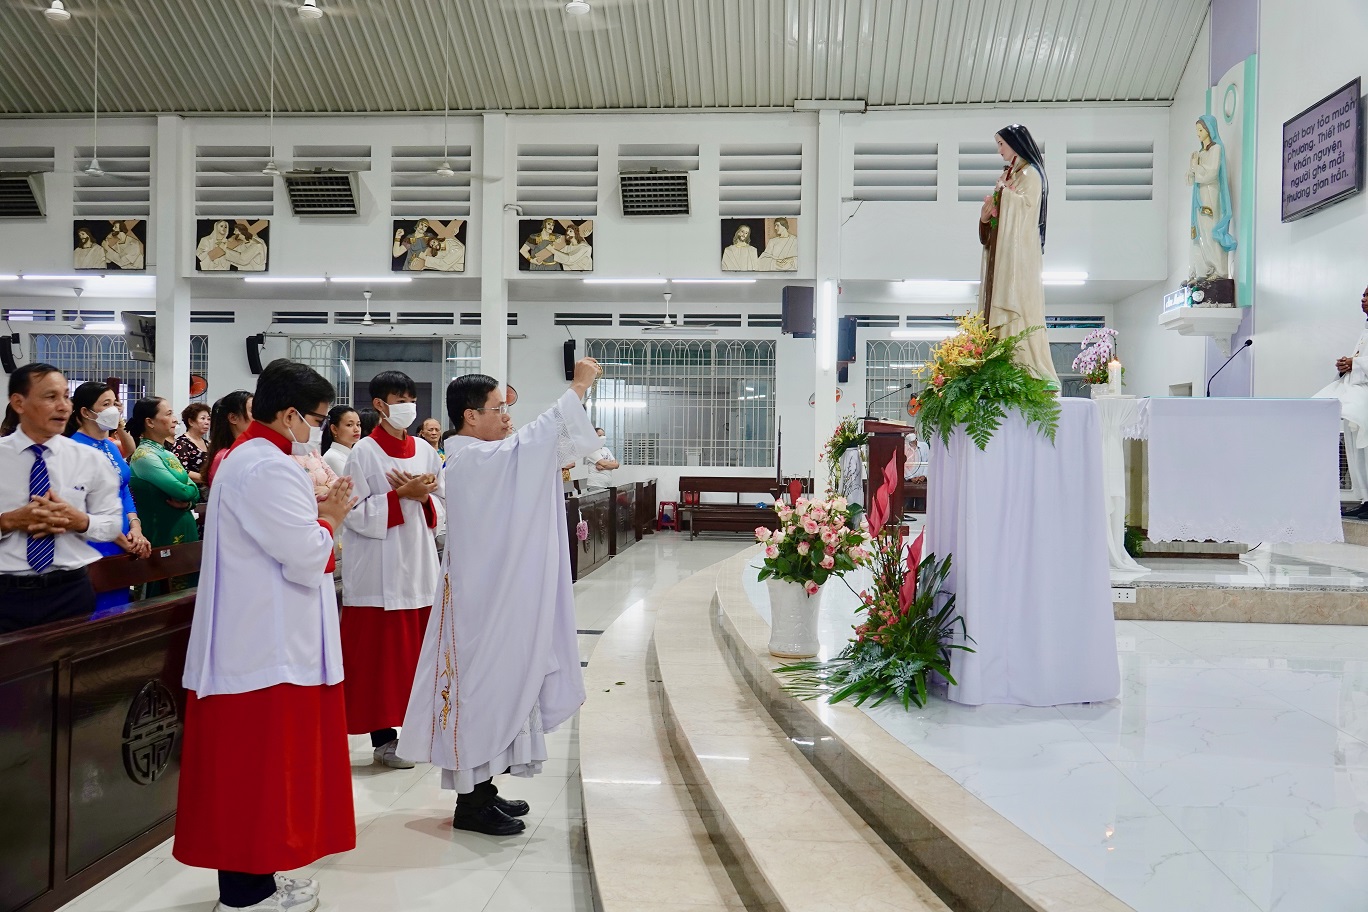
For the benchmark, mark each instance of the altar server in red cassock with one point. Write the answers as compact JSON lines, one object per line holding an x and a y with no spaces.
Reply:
{"x":264,"y":664}
{"x":389,"y":564}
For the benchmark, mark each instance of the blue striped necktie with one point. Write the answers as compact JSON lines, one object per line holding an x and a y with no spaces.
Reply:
{"x":40,"y":550}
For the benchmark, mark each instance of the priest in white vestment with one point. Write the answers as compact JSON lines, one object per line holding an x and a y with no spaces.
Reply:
{"x":265,"y":776}
{"x":500,"y":661}
{"x":1351,"y":389}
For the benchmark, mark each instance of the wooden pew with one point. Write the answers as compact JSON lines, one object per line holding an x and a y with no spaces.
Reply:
{"x":90,"y":738}
{"x":737,"y":517}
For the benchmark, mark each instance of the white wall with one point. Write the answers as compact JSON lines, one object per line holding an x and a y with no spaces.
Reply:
{"x":880,"y":240}
{"x":1312,"y":272}
{"x":1158,"y":358}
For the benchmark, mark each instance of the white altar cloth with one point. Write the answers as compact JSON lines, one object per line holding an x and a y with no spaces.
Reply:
{"x":1119,"y":416}
{"x":1244,"y":470}
{"x":1026,"y":526}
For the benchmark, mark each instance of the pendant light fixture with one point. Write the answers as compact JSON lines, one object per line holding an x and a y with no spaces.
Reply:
{"x":271,"y":169}
{"x":445,"y":170}
{"x":93,"y":169}
{"x":78,"y":324}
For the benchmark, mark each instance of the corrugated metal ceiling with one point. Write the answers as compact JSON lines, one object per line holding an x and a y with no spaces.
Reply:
{"x":388,"y":55}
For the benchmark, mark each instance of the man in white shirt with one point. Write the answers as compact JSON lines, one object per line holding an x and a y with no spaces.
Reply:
{"x":389,"y":564}
{"x":1351,"y":389}
{"x":56,"y":495}
{"x":918,"y":457}
{"x":265,"y":779}
{"x":500,"y":664}
{"x":601,"y":465}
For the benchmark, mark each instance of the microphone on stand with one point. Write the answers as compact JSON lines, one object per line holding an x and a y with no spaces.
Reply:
{"x":1248,"y":342}
{"x":869,"y":417}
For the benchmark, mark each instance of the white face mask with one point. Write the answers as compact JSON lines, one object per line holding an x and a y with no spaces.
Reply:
{"x":402,"y":415}
{"x":108,"y":419}
{"x":313,"y":445}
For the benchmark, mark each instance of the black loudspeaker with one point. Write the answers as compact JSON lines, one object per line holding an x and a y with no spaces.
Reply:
{"x":7,"y":355}
{"x":797,"y":312}
{"x":254,"y":344}
{"x":845,"y":341}
{"x":843,"y":373}
{"x":569,"y":359}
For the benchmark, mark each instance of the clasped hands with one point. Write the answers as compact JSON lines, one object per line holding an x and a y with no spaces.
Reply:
{"x":1344,"y":365}
{"x":414,"y":487}
{"x":46,"y":515}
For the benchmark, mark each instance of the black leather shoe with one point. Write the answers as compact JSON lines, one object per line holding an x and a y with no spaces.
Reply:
{"x":488,"y":820}
{"x":513,"y":808}
{"x":1359,"y":512}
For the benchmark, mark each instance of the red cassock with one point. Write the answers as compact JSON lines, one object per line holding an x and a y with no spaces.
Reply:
{"x":265,"y":781}
{"x":380,"y":652}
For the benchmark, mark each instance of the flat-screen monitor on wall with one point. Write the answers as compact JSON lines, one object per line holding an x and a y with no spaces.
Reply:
{"x":140,"y":335}
{"x":1322,"y":153}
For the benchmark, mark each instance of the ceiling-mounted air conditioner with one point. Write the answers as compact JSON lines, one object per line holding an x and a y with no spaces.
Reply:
{"x":21,"y":195}
{"x":654,"y":192}
{"x":322,"y":192}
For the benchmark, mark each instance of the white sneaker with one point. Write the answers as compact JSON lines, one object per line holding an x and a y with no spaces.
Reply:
{"x":279,"y":901}
{"x":386,"y":755}
{"x":291,"y":885}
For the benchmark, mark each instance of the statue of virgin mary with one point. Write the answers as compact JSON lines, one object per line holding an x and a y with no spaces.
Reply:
{"x":1012,"y":231}
{"x":1211,"y":210}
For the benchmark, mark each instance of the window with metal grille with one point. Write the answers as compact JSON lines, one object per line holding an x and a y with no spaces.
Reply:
{"x":686,"y":402}
{"x":890,"y":365}
{"x":97,"y":356}
{"x":460,"y":357}
{"x":331,"y":357}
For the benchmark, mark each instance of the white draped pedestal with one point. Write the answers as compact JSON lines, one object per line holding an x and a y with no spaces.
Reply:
{"x":1026,"y":526}
{"x":1119,"y":416}
{"x":1244,"y":470}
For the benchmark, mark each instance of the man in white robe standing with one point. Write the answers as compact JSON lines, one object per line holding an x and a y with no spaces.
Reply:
{"x":500,"y":662}
{"x":1351,"y":389}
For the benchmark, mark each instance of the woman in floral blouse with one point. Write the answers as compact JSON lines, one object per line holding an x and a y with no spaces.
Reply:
{"x":192,"y":446}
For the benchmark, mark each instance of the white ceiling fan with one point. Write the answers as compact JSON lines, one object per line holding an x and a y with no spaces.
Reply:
{"x":581,"y":15}
{"x":672,"y":326}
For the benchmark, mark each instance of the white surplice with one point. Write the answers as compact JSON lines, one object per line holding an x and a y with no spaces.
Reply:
{"x":394,"y":568}
{"x":266,"y":607}
{"x":500,"y":660}
{"x":1352,"y":392}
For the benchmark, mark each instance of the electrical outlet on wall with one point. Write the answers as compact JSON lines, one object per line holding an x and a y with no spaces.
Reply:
{"x":1123,"y":595}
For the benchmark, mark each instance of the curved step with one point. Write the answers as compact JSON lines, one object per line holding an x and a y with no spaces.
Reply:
{"x":649,"y":850}
{"x":973,"y":856}
{"x":791,"y":842}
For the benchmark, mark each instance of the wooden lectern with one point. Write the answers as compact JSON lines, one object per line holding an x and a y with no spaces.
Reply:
{"x":885,"y":444}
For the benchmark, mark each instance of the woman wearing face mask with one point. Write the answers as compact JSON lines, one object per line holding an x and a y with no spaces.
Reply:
{"x":95,"y":414}
{"x":339,"y":436}
{"x":161,"y":487}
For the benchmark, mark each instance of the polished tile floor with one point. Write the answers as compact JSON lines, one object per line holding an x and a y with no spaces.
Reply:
{"x":1230,"y":776}
{"x":408,"y":858}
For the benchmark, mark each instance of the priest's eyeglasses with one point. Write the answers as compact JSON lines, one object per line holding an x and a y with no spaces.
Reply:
{"x":501,"y":409}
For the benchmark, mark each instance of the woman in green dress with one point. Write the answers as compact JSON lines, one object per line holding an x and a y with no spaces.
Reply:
{"x":162,"y":489}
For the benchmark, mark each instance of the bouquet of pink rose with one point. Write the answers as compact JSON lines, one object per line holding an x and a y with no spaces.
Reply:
{"x":816,"y":540}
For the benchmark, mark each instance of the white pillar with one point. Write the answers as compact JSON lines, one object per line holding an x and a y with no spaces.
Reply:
{"x":828,"y":275}
{"x":495,"y":246}
{"x":170,"y":224}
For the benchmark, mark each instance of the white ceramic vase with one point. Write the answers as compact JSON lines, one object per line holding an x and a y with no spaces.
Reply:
{"x":793,"y":620}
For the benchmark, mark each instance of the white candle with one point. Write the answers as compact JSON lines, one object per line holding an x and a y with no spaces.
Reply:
{"x":1113,"y":377}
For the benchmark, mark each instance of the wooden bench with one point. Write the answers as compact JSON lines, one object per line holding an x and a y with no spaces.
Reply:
{"x":914,"y":497}
{"x":737,"y":517}
{"x":124,"y":571}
